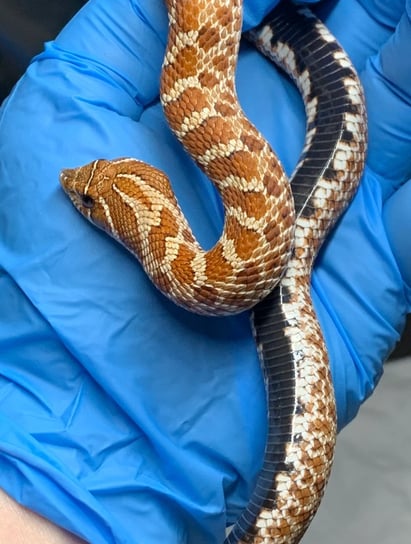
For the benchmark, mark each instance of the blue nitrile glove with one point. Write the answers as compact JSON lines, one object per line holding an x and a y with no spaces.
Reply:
{"x":122,"y":417}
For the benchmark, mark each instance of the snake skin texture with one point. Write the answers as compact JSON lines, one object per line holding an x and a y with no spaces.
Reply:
{"x":135,"y":204}
{"x":301,"y":406}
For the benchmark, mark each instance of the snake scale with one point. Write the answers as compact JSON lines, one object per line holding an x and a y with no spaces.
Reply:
{"x":269,"y":236}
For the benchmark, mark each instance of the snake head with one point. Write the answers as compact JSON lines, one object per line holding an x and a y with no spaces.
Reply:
{"x":110,"y":194}
{"x":94,"y":191}
{"x":87,"y":188}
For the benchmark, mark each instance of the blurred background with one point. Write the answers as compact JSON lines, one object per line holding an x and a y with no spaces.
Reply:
{"x":369,"y":496}
{"x":24,"y":26}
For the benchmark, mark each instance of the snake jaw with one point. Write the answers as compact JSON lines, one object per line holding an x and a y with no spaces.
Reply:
{"x":68,"y":179}
{"x":72,"y":181}
{"x":68,"y":182}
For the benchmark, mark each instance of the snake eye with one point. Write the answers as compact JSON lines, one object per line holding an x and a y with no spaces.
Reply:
{"x":87,"y":201}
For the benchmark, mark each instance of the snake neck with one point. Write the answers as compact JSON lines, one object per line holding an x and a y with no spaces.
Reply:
{"x":157,"y":233}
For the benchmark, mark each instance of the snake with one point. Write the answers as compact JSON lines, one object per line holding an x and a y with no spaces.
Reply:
{"x":197,"y":92}
{"x":134,"y":203}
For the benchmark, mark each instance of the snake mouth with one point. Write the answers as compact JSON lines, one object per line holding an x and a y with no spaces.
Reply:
{"x":68,"y":180}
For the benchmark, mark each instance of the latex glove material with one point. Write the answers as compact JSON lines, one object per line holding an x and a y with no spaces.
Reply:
{"x":123,"y":418}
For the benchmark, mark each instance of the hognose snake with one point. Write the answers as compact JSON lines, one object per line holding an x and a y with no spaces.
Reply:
{"x":263,"y":243}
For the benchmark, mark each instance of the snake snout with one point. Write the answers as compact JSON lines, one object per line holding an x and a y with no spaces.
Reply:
{"x":74,"y":189}
{"x":67,"y":179}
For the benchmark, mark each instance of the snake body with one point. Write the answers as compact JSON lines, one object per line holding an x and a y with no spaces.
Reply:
{"x":134,"y":203}
{"x":301,"y":406}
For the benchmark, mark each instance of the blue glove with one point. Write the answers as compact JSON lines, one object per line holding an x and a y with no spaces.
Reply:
{"x":123,"y":418}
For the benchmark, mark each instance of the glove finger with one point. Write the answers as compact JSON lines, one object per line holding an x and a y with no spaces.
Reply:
{"x":398,"y":206}
{"x":381,"y":56}
{"x":122,"y":42}
{"x":126,"y":42}
{"x":367,"y":29}
{"x":385,"y":13}
{"x":387,"y":84}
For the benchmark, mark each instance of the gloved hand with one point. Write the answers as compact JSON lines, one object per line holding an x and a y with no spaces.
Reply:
{"x":124,"y":418}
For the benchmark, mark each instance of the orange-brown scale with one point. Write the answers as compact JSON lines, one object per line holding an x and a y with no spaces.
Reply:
{"x":186,"y":13}
{"x":273,"y":174}
{"x":225,"y":109}
{"x":222,"y":65}
{"x":245,"y":245}
{"x":249,"y":275}
{"x":167,"y":228}
{"x":217,"y":265}
{"x":252,"y":142}
{"x":181,"y":267}
{"x":240,"y":164}
{"x":185,"y":65}
{"x":153,"y":177}
{"x":254,"y":206}
{"x":208,"y":79}
{"x":272,"y":234}
{"x":208,"y":37}
{"x":199,"y":141}
{"x":191,"y":99}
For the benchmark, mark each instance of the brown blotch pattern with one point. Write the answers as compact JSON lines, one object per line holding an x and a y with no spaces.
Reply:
{"x":208,"y":37}
{"x":186,"y":12}
{"x":253,"y":204}
{"x":240,"y":164}
{"x":185,"y":65}
{"x":208,"y":79}
{"x":189,"y":101}
{"x":216,"y":264}
{"x":245,"y":246}
{"x":167,"y":228}
{"x":181,"y":267}
{"x":213,"y":129}
{"x":252,"y":141}
{"x":225,"y":109}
